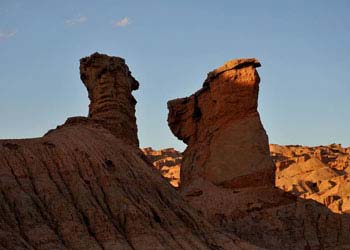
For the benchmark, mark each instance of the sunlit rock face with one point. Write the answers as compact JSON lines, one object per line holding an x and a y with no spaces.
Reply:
{"x":320,"y":173}
{"x":167,"y":161}
{"x":219,"y":121}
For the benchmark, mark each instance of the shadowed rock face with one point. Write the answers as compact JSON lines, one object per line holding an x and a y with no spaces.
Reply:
{"x":86,"y":184}
{"x":110,"y":83}
{"x":221,"y":120}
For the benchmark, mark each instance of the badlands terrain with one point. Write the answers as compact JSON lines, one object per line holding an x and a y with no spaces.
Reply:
{"x":319,"y":173}
{"x":88,"y":185}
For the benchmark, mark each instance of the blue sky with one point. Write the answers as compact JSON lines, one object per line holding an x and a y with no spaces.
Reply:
{"x":304,"y":48}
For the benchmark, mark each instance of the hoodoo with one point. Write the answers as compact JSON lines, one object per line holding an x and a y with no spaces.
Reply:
{"x":227,"y":173}
{"x":86,"y":184}
{"x":110,"y":83}
{"x":220,"y":121}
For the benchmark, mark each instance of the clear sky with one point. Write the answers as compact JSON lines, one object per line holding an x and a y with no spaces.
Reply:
{"x":304,"y":48}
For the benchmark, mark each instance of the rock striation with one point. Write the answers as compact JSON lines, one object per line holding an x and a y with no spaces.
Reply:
{"x":86,"y":184}
{"x":319,"y":173}
{"x":221,"y":120}
{"x":109,"y":83}
{"x":228,"y":175}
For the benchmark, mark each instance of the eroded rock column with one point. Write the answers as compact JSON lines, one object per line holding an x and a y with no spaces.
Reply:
{"x":109,"y":83}
{"x":227,"y":144}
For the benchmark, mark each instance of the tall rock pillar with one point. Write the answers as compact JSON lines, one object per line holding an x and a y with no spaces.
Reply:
{"x":110,"y":83}
{"x":227,"y":144}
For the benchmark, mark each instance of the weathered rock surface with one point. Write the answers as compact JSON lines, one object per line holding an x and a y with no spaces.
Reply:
{"x":228,"y":175}
{"x":221,"y":120}
{"x":86,"y":185}
{"x":320,"y":173}
{"x":110,"y":83}
{"x":167,"y":161}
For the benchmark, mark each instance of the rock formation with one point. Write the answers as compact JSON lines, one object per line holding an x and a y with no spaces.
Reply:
{"x":318,"y":173}
{"x":86,"y":185}
{"x":228,"y":175}
{"x":221,"y":120}
{"x":110,"y":83}
{"x":167,"y":161}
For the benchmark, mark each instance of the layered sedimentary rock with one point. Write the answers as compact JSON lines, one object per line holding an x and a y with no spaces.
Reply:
{"x":228,"y":175}
{"x":320,"y":173}
{"x":110,"y":83}
{"x":167,"y":161}
{"x":221,"y":120}
{"x":86,"y":185}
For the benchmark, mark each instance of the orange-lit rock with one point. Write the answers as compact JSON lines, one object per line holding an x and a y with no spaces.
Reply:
{"x":320,"y":173}
{"x":167,"y":161}
{"x":227,"y":172}
{"x":221,"y":120}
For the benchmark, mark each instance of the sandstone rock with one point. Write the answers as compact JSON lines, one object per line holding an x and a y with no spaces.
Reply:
{"x":334,"y":155}
{"x":110,"y":83}
{"x":167,"y":161}
{"x":227,"y":173}
{"x":86,"y":185}
{"x":221,"y":120}
{"x":320,"y":173}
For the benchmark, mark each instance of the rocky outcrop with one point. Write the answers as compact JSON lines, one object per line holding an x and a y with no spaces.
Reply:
{"x":86,"y":185}
{"x":110,"y":83}
{"x":333,"y":155}
{"x":221,"y":120}
{"x":228,"y":175}
{"x":319,"y":173}
{"x":167,"y":161}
